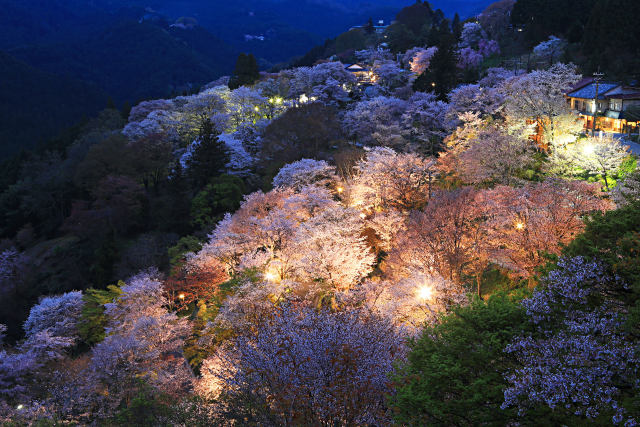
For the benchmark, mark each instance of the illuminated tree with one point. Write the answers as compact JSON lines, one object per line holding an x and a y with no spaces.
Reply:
{"x":539,"y":96}
{"x":601,"y":156}
{"x":329,"y":248}
{"x":495,"y":156}
{"x":306,"y":367}
{"x":409,"y":303}
{"x":527,"y":223}
{"x":425,"y":123}
{"x":419,"y":59}
{"x":387,"y":179}
{"x":305,"y":172}
{"x":446,"y":239}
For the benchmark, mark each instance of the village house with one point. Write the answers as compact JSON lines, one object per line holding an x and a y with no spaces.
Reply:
{"x":617,"y":106}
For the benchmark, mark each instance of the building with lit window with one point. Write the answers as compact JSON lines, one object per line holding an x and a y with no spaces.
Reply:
{"x":616,"y":110}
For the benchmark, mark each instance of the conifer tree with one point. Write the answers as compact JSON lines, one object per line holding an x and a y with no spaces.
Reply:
{"x":441,"y":76}
{"x":246,"y":71}
{"x":209,"y":157}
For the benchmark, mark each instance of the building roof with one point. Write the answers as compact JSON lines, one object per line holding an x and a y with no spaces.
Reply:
{"x":354,"y":67}
{"x":582,"y":83}
{"x":589,"y":91}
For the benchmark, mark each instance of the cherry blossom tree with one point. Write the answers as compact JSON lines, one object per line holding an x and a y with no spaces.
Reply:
{"x":143,"y":341}
{"x":377,"y":121}
{"x":579,"y":361}
{"x":425,"y":123}
{"x":600,"y":155}
{"x":527,"y":223}
{"x":465,"y":99}
{"x":329,"y":248}
{"x":325,"y":82}
{"x":550,"y":49}
{"x":628,"y":190}
{"x":419,"y":58}
{"x":387,"y":179}
{"x":303,"y":366}
{"x":410,"y":302}
{"x":469,"y":58}
{"x":56,"y":315}
{"x":446,"y":239}
{"x":472,"y":34}
{"x":389,"y":75}
{"x":539,"y":96}
{"x":495,"y":156}
{"x":495,"y":76}
{"x":306,"y":172}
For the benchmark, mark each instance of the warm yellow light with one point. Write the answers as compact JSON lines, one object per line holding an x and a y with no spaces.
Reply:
{"x":339,"y":189}
{"x":270,"y":276}
{"x":433,"y":84}
{"x":588,"y":149}
{"x":425,"y":292}
{"x":181,"y":296}
{"x":256,"y":108}
{"x":304,"y":98}
{"x":363,"y":216}
{"x":519,"y":225}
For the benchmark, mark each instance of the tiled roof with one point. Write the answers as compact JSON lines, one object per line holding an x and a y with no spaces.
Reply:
{"x":589,"y":91}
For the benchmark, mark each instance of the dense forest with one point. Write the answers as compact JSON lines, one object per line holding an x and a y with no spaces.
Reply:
{"x":433,"y":240}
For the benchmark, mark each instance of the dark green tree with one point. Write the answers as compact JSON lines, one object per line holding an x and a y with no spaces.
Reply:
{"x":369,"y":29}
{"x":246,"y":71}
{"x":442,"y":75}
{"x":223,"y":194}
{"x":456,"y":27}
{"x":209,"y":158}
{"x":454,"y":373}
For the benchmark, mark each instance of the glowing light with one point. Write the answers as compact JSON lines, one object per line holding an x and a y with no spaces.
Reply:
{"x":433,"y":84}
{"x":181,"y":296}
{"x":339,"y":189}
{"x":425,"y":292}
{"x":589,"y":149}
{"x":270,"y":276}
{"x":20,"y":407}
{"x":275,"y":100}
{"x":304,"y":98}
{"x":363,"y":216}
{"x":519,"y":225}
{"x":256,"y":108}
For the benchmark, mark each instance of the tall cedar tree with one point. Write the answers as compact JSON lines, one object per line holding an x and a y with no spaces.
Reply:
{"x":457,"y":26}
{"x":246,"y":71}
{"x":441,"y":76}
{"x":369,"y":29}
{"x":209,"y":157}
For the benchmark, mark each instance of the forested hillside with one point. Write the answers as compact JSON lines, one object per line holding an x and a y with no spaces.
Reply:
{"x":434,"y":238}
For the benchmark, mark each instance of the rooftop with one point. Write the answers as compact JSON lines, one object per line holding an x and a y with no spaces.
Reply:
{"x":589,"y":91}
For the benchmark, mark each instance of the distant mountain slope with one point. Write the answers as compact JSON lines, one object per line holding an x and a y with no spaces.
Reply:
{"x":35,"y":105}
{"x":132,"y":60}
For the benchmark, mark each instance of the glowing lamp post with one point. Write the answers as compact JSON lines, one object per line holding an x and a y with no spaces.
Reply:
{"x":181,"y":296}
